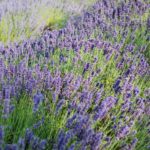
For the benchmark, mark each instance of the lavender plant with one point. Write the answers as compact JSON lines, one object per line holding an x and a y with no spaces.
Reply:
{"x":85,"y":86}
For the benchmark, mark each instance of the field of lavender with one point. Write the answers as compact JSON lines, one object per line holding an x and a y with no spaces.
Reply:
{"x":84,"y":86}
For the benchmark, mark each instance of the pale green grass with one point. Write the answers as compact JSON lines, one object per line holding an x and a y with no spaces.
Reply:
{"x":28,"y":19}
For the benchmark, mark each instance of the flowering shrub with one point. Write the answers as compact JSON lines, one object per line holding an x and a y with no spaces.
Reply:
{"x":85,"y":86}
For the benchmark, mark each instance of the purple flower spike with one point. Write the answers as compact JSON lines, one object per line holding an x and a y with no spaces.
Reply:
{"x":42,"y":144}
{"x":116,"y":86}
{"x":106,"y":105}
{"x":21,"y":143}
{"x":86,"y":67}
{"x":37,"y":99}
{"x":123,"y":132}
{"x":136,"y":91}
{"x":1,"y":134}
{"x":7,"y":93}
{"x":29,"y":136}
{"x":11,"y":147}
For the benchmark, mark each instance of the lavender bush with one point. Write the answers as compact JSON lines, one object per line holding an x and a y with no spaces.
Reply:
{"x":83,"y":87}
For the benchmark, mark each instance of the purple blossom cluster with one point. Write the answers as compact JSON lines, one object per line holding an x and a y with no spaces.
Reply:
{"x":99,"y":112}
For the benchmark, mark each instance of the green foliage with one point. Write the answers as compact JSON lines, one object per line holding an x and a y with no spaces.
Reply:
{"x":54,"y":18}
{"x":11,"y":29}
{"x":17,"y":26}
{"x":24,"y":117}
{"x":142,"y":135}
{"x":19,"y":120}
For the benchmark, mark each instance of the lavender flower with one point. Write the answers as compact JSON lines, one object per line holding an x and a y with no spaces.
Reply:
{"x":11,"y":147}
{"x":42,"y":144}
{"x":1,"y":134}
{"x":116,"y":86}
{"x":86,"y":67}
{"x":21,"y":143}
{"x":28,"y":136}
{"x":38,"y":98}
{"x":123,"y":132}
{"x":106,"y":105}
{"x":39,"y":123}
{"x":136,"y":91}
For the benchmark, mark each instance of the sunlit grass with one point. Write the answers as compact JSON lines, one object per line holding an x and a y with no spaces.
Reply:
{"x":19,"y":24}
{"x":16,"y":27}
